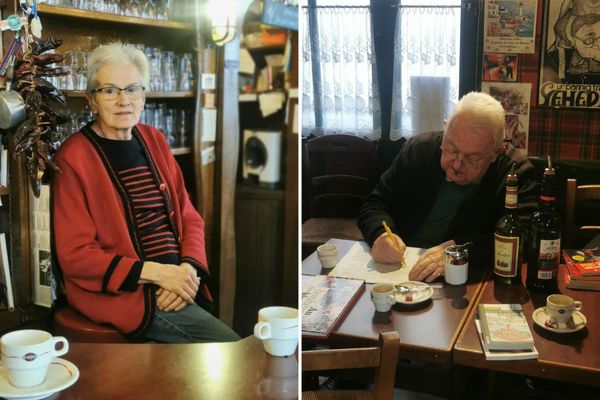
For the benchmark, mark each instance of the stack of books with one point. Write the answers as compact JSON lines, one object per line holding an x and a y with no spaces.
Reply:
{"x":504,"y":332}
{"x":582,"y":269}
{"x":326,"y":301}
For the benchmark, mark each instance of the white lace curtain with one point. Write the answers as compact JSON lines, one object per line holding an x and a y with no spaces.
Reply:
{"x":426,"y":66}
{"x":347,"y":89}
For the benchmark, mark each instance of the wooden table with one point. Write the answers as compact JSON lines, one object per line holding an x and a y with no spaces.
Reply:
{"x":427,"y":331}
{"x":239,"y":370}
{"x":573,"y":357}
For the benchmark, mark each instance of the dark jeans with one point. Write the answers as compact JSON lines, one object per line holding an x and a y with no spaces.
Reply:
{"x":193,"y":324}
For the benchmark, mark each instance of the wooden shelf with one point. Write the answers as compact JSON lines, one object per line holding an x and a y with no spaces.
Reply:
{"x":108,"y":17}
{"x":256,"y":192}
{"x":267,"y":49}
{"x":181,"y":150}
{"x":149,"y":95}
{"x":4,"y":191}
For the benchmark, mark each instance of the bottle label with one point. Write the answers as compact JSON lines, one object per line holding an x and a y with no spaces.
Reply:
{"x":548,"y":259}
{"x":506,"y":255}
{"x":511,"y":199}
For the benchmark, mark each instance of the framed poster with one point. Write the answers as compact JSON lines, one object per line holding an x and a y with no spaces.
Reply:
{"x":509,"y":26}
{"x":500,"y":67}
{"x":515,"y":98}
{"x":570,"y":65}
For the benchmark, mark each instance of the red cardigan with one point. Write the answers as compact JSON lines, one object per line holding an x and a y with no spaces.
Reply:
{"x":95,"y":238}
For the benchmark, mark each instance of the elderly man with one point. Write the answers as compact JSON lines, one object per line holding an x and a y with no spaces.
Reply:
{"x":447,"y":188}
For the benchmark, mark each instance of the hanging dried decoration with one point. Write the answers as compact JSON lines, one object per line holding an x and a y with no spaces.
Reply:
{"x":37,"y":137}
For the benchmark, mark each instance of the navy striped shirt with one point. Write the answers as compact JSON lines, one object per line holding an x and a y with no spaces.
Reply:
{"x":128,"y":159}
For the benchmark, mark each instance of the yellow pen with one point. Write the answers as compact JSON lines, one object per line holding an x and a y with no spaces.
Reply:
{"x":393,"y":239}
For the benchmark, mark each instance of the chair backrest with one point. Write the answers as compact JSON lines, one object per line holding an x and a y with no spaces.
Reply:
{"x":341,"y":172}
{"x":383,"y":358}
{"x":581,"y":201}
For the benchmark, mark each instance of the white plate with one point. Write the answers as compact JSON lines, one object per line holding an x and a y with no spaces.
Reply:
{"x":61,"y":375}
{"x":576,"y":323}
{"x":421,"y":293}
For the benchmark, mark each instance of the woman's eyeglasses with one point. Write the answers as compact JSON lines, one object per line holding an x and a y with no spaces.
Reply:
{"x":112,"y":92}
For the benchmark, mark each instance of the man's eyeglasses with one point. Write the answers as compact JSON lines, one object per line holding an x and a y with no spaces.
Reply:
{"x":134,"y":92}
{"x":470,"y":160}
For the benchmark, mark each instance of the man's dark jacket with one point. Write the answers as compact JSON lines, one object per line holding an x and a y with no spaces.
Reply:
{"x":407,"y":191}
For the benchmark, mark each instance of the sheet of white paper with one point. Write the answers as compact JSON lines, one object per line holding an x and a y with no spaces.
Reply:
{"x":247,"y":65}
{"x":359,"y":264}
{"x":209,"y":124}
{"x":271,"y":102}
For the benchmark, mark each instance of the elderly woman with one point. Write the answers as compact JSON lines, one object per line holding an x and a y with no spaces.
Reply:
{"x":129,"y":242}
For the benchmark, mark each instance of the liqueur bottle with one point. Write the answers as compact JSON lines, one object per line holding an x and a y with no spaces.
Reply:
{"x":543,"y":255}
{"x":508,"y":237}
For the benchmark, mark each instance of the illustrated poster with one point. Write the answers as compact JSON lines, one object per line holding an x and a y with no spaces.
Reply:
{"x":510,"y":26}
{"x":515,"y":98}
{"x":570,"y":70}
{"x":500,"y":67}
{"x":45,"y":284}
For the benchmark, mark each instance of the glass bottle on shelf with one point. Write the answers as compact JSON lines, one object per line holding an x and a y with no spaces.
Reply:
{"x":508,"y":237}
{"x":168,"y":71}
{"x":543,"y":255}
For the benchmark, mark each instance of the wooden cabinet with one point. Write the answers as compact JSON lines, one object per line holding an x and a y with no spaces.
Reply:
{"x":82,"y":31}
{"x":267,"y":218}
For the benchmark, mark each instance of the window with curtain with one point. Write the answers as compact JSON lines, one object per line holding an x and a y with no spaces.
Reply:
{"x":339,"y":84}
{"x":426,"y":65}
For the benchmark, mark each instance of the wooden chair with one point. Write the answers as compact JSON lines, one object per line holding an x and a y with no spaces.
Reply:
{"x":580,"y":204}
{"x":340,"y":170}
{"x":77,"y":328}
{"x":383,"y":358}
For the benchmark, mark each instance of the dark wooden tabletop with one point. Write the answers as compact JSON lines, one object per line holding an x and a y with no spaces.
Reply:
{"x":239,"y":370}
{"x":428,"y":330}
{"x":573,"y":357}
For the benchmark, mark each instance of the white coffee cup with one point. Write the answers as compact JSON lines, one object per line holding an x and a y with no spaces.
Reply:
{"x":277,"y":327}
{"x":383,"y":296}
{"x":328,"y":255}
{"x":27,"y":353}
{"x":560,"y":308}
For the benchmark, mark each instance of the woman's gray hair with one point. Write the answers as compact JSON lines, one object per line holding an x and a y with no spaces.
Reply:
{"x":484,"y":114}
{"x":116,"y":52}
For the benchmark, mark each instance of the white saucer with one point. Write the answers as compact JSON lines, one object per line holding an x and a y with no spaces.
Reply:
{"x":418,"y":296}
{"x":576,"y":323}
{"x":61,"y":375}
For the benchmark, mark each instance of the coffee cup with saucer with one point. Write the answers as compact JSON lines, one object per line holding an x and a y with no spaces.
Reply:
{"x":576,"y":323}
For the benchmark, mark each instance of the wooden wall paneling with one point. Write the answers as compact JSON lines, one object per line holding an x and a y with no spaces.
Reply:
{"x":230,"y":142}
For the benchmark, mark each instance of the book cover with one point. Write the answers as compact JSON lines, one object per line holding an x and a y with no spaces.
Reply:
{"x":504,"y":354}
{"x":326,"y":301}
{"x":6,"y":293}
{"x":584,"y":262}
{"x":505,"y":327}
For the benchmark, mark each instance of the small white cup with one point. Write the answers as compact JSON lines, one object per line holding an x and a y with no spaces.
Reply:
{"x":456,"y":274}
{"x":277,"y":327}
{"x":383,"y":296}
{"x":560,"y":308}
{"x":328,"y":255}
{"x":27,"y":353}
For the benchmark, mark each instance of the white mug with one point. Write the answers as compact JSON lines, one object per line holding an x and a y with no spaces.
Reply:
{"x":383,"y":296}
{"x":328,"y":255}
{"x":560,"y":308}
{"x":27,"y":353}
{"x":277,"y":327}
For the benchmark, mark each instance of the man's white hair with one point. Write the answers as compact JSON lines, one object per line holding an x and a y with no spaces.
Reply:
{"x":483,"y":113}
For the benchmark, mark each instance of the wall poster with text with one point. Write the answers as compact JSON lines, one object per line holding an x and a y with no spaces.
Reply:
{"x":516,"y":99}
{"x":570,"y":66}
{"x":509,"y":26}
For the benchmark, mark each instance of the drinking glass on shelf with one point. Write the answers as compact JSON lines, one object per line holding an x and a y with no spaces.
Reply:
{"x":183,"y":125}
{"x":169,"y":117}
{"x":168,"y":70}
{"x":184,"y":78}
{"x":148,"y":10}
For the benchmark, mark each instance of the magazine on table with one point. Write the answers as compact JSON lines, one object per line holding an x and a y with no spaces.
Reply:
{"x":325,"y":302}
{"x":505,"y":327}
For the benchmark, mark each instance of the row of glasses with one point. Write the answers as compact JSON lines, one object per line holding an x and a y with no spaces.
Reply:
{"x":175,"y":123}
{"x":169,"y":71}
{"x":164,"y":10}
